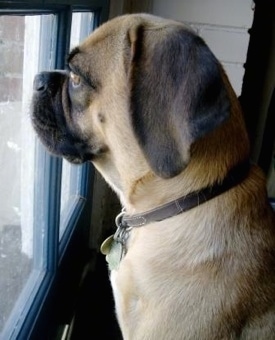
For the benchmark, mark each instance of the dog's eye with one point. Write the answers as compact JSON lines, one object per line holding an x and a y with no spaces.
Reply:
{"x":75,"y":79}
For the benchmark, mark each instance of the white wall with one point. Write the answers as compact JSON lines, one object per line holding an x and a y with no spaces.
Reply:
{"x":223,"y":24}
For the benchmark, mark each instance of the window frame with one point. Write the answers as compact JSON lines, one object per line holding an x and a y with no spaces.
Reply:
{"x":52,"y":303}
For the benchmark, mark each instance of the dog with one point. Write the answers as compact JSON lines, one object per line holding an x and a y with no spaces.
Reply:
{"x":146,"y":101}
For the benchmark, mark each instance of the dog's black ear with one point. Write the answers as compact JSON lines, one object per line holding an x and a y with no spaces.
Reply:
{"x":177,"y":94}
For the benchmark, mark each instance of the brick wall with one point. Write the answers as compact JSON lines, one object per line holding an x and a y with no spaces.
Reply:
{"x":11,"y":52}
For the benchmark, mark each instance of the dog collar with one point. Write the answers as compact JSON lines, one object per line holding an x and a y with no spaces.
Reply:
{"x":234,"y":177}
{"x":114,"y":247}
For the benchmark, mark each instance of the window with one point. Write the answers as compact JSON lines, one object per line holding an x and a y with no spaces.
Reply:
{"x":82,"y":25}
{"x":42,"y":198}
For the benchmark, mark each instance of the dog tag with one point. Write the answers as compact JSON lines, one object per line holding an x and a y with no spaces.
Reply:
{"x":115,"y":255}
{"x":106,"y":245}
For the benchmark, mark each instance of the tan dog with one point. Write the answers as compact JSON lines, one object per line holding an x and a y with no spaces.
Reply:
{"x":148,"y":103}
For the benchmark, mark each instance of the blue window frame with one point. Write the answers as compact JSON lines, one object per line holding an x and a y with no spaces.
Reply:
{"x":47,"y":202}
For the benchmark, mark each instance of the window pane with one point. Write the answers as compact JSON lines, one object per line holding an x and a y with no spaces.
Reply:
{"x":22,"y":259}
{"x":82,"y":25}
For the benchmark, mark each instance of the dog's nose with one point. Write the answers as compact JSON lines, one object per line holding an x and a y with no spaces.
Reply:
{"x":40,"y":83}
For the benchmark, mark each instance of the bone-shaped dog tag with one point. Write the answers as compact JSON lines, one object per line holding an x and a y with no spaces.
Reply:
{"x":113,"y":250}
{"x":106,"y":245}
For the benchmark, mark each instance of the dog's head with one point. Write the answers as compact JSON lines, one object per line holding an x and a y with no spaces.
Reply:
{"x":139,"y":89}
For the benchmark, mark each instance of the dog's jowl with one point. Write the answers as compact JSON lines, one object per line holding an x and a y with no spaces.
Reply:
{"x":148,"y":103}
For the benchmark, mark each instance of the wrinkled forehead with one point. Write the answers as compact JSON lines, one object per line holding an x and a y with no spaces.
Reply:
{"x":98,"y":53}
{"x":87,"y":57}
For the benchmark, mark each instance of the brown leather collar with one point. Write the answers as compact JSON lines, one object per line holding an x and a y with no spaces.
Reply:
{"x":234,"y":177}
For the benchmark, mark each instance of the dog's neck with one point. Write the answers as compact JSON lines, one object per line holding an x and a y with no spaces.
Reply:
{"x":234,"y":177}
{"x":151,"y":191}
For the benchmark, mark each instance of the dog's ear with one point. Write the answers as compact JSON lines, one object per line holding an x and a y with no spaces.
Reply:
{"x":177,"y":94}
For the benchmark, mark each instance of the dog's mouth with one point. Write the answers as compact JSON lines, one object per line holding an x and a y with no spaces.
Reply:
{"x":56,"y":132}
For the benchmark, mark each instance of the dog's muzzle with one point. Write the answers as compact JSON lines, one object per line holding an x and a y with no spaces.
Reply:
{"x":49,"y":81}
{"x":40,"y":83}
{"x":59,"y":135}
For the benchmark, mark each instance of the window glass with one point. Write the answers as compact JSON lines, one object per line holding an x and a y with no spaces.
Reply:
{"x":82,"y":25}
{"x":26,"y":46}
